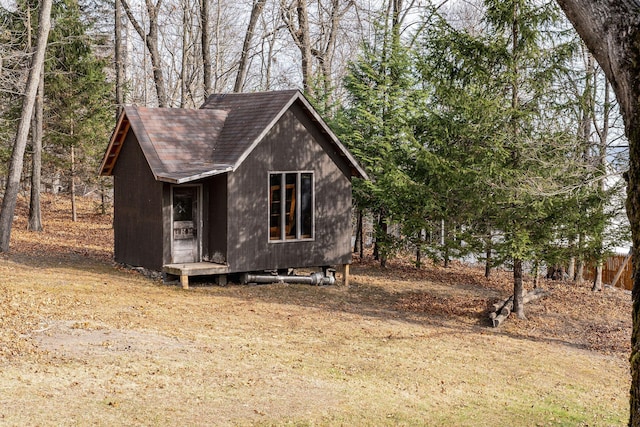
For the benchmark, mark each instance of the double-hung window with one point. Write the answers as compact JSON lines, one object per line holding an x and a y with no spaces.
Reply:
{"x":291,"y":214}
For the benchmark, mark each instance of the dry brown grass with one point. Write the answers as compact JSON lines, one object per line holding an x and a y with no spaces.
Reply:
{"x":84,"y":342}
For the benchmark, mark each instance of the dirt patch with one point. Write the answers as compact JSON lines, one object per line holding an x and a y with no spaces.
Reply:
{"x":82,"y":339}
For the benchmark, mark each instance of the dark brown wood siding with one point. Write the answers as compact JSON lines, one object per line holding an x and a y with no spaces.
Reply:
{"x":167,"y":224}
{"x":137,"y":221}
{"x":293,"y":144}
{"x":215,"y":223}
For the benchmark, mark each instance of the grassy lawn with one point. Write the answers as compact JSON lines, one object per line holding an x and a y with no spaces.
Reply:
{"x":85,"y":342}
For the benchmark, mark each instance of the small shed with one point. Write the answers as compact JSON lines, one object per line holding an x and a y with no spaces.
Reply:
{"x":250,"y":182}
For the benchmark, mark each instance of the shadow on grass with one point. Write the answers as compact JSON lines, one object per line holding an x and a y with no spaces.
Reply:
{"x":457,"y":301}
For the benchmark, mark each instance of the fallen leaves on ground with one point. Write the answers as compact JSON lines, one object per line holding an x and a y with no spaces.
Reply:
{"x":570,"y":312}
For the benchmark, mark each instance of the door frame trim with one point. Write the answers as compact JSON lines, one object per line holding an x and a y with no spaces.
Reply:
{"x":199,"y":222}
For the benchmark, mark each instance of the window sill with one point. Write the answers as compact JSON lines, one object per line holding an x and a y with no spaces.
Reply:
{"x":310,"y":239}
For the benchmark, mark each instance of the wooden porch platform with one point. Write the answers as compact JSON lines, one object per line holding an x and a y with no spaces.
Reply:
{"x":184,"y":270}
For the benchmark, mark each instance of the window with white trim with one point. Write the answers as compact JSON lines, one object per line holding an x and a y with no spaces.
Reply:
{"x":291,"y":208}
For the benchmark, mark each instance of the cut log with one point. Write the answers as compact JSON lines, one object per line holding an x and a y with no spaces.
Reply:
{"x":498,"y":320}
{"x":533,"y":295}
{"x":503,"y":308}
{"x":498,"y":306}
{"x":508,"y":307}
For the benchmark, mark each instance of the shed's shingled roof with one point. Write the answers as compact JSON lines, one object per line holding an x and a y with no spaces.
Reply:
{"x":183,"y":145}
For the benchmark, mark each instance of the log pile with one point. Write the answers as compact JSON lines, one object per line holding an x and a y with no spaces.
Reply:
{"x":502,"y":309}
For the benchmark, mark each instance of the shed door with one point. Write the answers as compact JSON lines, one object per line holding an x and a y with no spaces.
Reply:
{"x":185,"y":221}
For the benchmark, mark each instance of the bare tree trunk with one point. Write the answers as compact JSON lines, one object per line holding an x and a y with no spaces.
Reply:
{"x":205,"y":37}
{"x":185,"y":54}
{"x":380,"y":247}
{"x":603,"y":137}
{"x":571,"y":269}
{"x":256,"y":10}
{"x":385,"y":233}
{"x":74,"y":210}
{"x":17,"y":155}
{"x":267,"y":62}
{"x":418,"y":250}
{"x":579,"y":272}
{"x":358,"y":231}
{"x":217,"y":61}
{"x":35,"y":217}
{"x":297,"y":10}
{"x":579,"y":261}
{"x":151,"y":40}
{"x":324,"y":54}
{"x":376,"y":243}
{"x":361,"y":235}
{"x":444,"y":241}
{"x":518,"y":289}
{"x":597,"y":280}
{"x":304,"y":41}
{"x":587,"y":107}
{"x":488,"y":256}
{"x":119,"y":50}
{"x":103,"y":197}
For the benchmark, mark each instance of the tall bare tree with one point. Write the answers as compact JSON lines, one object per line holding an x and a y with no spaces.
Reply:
{"x":35,"y":217}
{"x":611,"y":31}
{"x":256,"y":10}
{"x":329,"y":21}
{"x":295,"y":15}
{"x":119,"y":51}
{"x":17,"y":156}
{"x":602,"y":131}
{"x":151,"y":40}
{"x":205,"y":35}
{"x":188,"y":57}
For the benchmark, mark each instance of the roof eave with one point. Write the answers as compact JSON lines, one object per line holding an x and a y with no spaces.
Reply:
{"x":186,"y":179}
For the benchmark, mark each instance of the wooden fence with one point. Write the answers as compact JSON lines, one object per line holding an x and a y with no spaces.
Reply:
{"x":611,"y":268}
